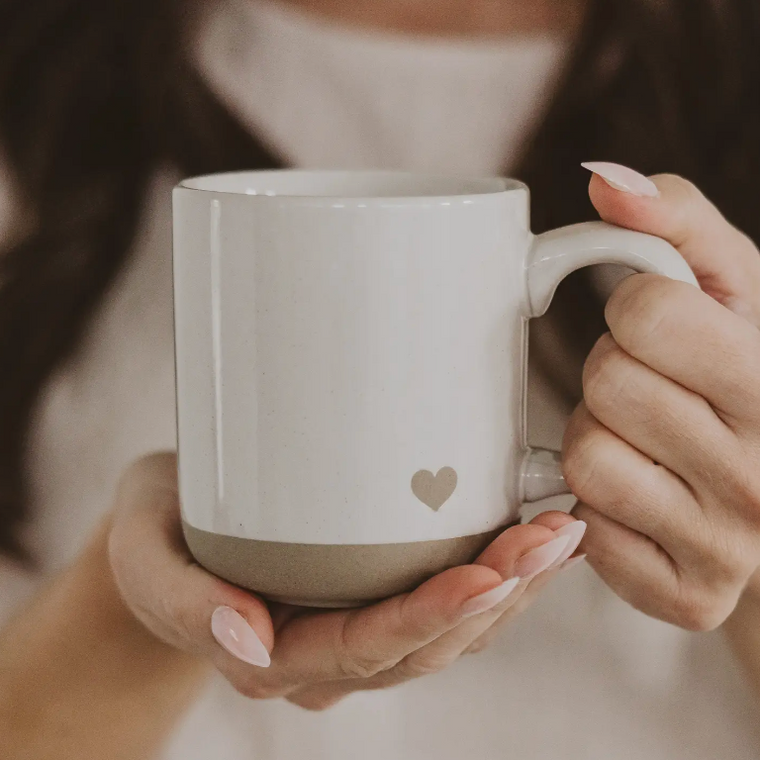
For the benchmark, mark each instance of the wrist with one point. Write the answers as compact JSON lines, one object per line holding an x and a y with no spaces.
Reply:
{"x":93,"y":587}
{"x":77,"y":658}
{"x":110,"y":632}
{"x":133,"y":665}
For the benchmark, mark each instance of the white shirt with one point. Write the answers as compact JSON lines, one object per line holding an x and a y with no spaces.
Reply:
{"x":580,"y":676}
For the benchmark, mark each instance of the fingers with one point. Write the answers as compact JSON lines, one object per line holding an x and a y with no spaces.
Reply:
{"x":649,"y":537}
{"x":659,"y":321}
{"x":554,"y":521}
{"x":171,"y":595}
{"x":511,"y":554}
{"x":641,"y":573}
{"x":683,"y":334}
{"x":522,"y":554}
{"x":529,"y":595}
{"x":679,"y":553}
{"x":506,"y":555}
{"x":673,"y":426}
{"x":725,"y":261}
{"x":625,"y":485}
{"x":362,"y":643}
{"x":501,"y":554}
{"x":670,"y":424}
{"x":365,"y":643}
{"x":526,"y":552}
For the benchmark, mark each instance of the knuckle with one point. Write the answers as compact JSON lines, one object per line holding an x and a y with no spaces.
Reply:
{"x":684,"y":190}
{"x":719,"y":554}
{"x":255,"y":688}
{"x":590,"y":516}
{"x":641,"y":311}
{"x":182,"y":617}
{"x":314,"y":703}
{"x":575,"y":428}
{"x":606,"y":375}
{"x":481,"y":644}
{"x":353,"y":666}
{"x":745,"y":242}
{"x":310,"y":705}
{"x":581,"y":465}
{"x":183,"y":622}
{"x":354,"y":663}
{"x":422,"y":665}
{"x":316,"y":707}
{"x":728,"y":560}
{"x":597,"y":359}
{"x":736,"y":482}
{"x":747,"y":489}
{"x":687,"y":204}
{"x":698,"y":611}
{"x":754,"y":508}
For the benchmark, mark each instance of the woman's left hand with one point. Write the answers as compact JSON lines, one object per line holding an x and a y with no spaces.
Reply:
{"x":664,"y":451}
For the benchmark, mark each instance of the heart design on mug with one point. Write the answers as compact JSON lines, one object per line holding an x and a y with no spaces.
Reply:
{"x":434,"y":490}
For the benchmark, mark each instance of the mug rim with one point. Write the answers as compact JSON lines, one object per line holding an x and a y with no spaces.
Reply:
{"x":240,"y":184}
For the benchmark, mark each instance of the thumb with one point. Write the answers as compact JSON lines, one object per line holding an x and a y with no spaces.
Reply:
{"x":167,"y":591}
{"x":724,"y":260}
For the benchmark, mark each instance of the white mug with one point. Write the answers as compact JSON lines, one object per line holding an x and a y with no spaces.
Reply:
{"x":351,"y":354}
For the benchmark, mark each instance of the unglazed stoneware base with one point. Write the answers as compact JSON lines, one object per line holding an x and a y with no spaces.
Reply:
{"x":317,"y":575}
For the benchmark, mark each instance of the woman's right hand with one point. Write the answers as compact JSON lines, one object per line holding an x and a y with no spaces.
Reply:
{"x":317,"y":656}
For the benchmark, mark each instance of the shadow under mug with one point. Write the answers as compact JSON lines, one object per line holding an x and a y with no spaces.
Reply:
{"x":351,"y":353}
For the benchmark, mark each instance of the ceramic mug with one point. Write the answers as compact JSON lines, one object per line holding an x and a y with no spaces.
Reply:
{"x":351,"y":354}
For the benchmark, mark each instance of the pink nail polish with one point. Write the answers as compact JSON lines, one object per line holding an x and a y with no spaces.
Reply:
{"x":233,"y":633}
{"x":575,"y":532}
{"x":624,"y":179}
{"x":541,"y":558}
{"x":487,"y":601}
{"x":573,"y":562}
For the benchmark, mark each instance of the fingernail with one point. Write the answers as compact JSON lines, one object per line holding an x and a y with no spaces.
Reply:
{"x":541,"y":558}
{"x":233,"y":633}
{"x":490,"y":599}
{"x":574,"y":531}
{"x":622,"y":178}
{"x":573,"y":562}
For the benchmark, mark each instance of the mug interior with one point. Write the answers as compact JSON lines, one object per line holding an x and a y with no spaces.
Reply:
{"x":348,"y":184}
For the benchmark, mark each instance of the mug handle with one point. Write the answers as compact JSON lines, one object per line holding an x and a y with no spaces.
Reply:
{"x":551,"y":257}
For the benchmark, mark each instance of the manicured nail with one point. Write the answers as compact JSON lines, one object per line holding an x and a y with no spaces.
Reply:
{"x":624,"y":179}
{"x":572,"y":562}
{"x":541,"y":558}
{"x":232,"y":632}
{"x":490,"y":599}
{"x":574,"y":531}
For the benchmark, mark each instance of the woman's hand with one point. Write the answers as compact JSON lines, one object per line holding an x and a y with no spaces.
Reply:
{"x":317,"y":657}
{"x":664,"y":452}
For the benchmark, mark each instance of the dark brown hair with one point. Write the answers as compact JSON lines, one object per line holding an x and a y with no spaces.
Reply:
{"x":95,"y":94}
